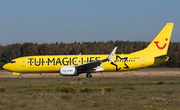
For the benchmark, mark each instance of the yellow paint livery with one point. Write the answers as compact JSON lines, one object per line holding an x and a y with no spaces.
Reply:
{"x":74,"y":65}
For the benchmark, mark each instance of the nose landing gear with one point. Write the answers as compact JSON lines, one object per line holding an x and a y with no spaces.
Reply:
{"x":20,"y":76}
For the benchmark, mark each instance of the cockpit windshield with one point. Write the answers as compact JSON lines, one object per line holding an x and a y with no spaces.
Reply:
{"x":12,"y":61}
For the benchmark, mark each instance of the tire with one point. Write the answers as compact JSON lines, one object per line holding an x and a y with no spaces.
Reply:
{"x":20,"y":76}
{"x":88,"y":75}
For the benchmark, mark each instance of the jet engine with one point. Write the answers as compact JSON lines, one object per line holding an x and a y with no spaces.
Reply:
{"x":68,"y":71}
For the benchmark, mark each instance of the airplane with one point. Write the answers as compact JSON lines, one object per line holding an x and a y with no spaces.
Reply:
{"x":73,"y":65}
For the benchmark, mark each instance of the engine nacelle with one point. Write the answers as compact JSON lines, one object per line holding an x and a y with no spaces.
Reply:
{"x":68,"y":71}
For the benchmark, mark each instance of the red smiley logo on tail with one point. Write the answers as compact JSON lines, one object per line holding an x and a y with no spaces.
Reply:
{"x":156,"y":42}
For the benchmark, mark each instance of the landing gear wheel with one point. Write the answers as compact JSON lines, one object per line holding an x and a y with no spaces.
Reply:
{"x":88,"y":75}
{"x":20,"y":76}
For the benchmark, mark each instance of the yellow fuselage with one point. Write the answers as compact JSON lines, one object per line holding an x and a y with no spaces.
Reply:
{"x":53,"y":63}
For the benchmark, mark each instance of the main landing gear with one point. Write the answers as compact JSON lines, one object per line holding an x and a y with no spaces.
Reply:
{"x":88,"y":75}
{"x":20,"y":76}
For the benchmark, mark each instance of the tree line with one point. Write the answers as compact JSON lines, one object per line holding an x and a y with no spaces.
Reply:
{"x":9,"y":52}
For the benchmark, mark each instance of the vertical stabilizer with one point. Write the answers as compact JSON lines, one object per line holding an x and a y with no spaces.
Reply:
{"x":160,"y":44}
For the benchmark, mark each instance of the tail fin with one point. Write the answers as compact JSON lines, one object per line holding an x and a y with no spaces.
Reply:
{"x":160,"y":44}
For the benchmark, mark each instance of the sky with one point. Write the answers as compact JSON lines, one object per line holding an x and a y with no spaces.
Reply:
{"x":51,"y":21}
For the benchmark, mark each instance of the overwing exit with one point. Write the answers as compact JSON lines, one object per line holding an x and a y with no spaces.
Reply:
{"x":73,"y":65}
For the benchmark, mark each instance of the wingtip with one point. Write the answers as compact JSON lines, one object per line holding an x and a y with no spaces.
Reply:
{"x":170,"y":23}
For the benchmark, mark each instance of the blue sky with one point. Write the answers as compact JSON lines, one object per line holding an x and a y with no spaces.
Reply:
{"x":51,"y":21}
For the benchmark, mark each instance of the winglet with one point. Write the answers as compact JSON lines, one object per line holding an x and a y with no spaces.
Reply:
{"x":111,"y":55}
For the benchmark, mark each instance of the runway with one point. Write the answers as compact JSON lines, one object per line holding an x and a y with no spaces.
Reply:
{"x":149,"y":72}
{"x":30,"y":84}
{"x":55,"y":77}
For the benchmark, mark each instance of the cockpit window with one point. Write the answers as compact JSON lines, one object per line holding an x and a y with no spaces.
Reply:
{"x":13,"y":62}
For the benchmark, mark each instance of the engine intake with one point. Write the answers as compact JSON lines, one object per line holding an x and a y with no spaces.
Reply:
{"x":68,"y":71}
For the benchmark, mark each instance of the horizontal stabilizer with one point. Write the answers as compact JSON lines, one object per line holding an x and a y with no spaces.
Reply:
{"x":162,"y":58}
{"x":167,"y":55}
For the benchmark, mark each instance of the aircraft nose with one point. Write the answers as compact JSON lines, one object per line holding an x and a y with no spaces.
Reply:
{"x":5,"y":66}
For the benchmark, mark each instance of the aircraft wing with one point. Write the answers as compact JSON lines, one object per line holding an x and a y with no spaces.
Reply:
{"x":95,"y":64}
{"x":90,"y":65}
